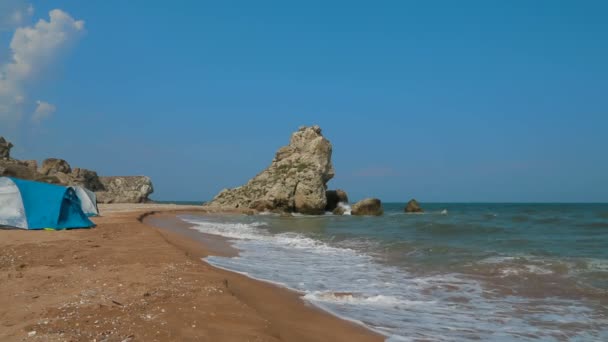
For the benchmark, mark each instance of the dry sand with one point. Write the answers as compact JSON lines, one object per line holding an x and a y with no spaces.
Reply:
{"x":128,"y":281}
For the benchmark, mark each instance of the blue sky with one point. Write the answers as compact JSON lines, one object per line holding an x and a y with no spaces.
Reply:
{"x":437,"y":100}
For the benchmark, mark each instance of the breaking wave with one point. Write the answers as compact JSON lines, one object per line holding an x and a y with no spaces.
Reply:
{"x":390,"y":299}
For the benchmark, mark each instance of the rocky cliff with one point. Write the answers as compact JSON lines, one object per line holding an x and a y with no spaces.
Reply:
{"x":133,"y":189}
{"x":129,"y":189}
{"x":295,"y":181}
{"x":20,"y":169}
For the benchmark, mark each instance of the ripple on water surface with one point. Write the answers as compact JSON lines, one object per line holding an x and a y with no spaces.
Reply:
{"x":355,"y":273}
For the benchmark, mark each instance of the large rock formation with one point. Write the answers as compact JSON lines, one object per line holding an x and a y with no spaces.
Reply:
{"x":52,"y":166}
{"x":19,"y":169}
{"x":295,"y":181}
{"x":12,"y":167}
{"x":334,"y":197}
{"x":129,"y":189}
{"x":32,"y":164}
{"x":368,"y":207}
{"x":86,"y":178}
{"x":413,"y":207}
{"x":58,"y":171}
{"x":5,"y":148}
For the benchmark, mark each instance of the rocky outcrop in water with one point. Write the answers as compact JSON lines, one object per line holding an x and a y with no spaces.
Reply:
{"x":295,"y":181}
{"x":5,"y":148}
{"x":341,"y":209}
{"x":413,"y":207}
{"x":368,"y":207}
{"x":135,"y":189}
{"x":127,"y":189}
{"x":334,"y":197}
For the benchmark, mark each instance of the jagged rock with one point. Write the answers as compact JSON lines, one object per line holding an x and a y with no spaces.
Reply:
{"x":28,"y":169}
{"x":413,"y":207}
{"x":63,"y":178}
{"x":368,"y":207}
{"x":128,"y":189}
{"x":17,"y":169}
{"x":24,"y":170}
{"x":51,"y":166}
{"x":58,"y":171}
{"x":5,"y":148}
{"x":295,"y":181}
{"x":339,"y":210}
{"x":334,"y":197}
{"x":32,"y":164}
{"x":86,"y":178}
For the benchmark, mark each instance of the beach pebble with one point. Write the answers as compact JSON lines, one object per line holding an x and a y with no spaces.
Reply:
{"x":31,"y":333}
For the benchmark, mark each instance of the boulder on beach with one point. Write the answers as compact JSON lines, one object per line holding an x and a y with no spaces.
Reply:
{"x":18,"y":169}
{"x":413,"y":207}
{"x":51,"y":166}
{"x":368,"y":207}
{"x":334,"y":197}
{"x":295,"y":181}
{"x":5,"y":148}
{"x":125,"y":189}
{"x":86,"y":178}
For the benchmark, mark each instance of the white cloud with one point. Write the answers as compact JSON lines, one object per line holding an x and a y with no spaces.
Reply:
{"x":32,"y":50}
{"x":43,"y":111}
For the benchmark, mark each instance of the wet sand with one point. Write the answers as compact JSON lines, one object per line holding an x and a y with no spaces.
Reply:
{"x":126,"y":280}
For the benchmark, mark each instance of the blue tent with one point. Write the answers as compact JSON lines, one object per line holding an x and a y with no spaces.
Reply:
{"x":34,"y":205}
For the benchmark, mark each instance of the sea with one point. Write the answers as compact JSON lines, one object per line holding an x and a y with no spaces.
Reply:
{"x":457,"y":272}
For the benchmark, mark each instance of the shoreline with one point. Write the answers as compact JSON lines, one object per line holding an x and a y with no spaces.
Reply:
{"x":211,"y":244}
{"x":218,"y":245}
{"x":248,"y":288}
{"x":127,"y":280}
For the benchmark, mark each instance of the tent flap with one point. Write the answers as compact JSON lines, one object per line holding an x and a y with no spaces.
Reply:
{"x":88,"y":200}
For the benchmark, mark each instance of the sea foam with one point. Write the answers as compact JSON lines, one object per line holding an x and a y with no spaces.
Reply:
{"x":391,"y":300}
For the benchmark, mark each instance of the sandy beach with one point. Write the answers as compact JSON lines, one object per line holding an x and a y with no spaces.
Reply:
{"x":128,"y":280}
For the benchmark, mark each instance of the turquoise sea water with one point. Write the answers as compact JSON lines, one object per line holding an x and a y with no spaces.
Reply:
{"x":501,"y":272}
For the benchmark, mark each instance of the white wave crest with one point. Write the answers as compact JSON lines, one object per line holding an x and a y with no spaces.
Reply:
{"x":389,"y":299}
